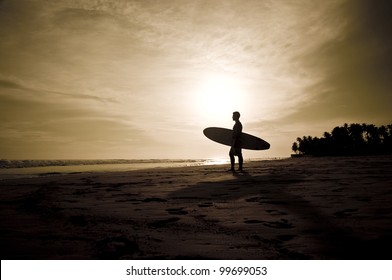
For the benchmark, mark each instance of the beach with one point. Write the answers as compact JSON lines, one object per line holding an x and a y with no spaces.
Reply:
{"x":295,"y":208}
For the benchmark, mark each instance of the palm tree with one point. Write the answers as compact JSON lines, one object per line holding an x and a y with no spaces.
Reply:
{"x":388,"y":140}
{"x":356,"y":134}
{"x":295,"y":147}
{"x":373,"y":138}
{"x":341,"y":140}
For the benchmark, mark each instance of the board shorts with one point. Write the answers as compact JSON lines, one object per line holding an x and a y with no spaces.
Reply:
{"x":236,"y":150}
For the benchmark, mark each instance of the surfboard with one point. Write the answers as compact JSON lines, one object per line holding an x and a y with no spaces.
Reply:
{"x":225,"y":136}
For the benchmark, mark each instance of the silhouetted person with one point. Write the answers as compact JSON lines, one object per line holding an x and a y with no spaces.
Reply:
{"x":236,"y":146}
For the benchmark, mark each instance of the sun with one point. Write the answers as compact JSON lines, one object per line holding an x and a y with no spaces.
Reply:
{"x":218,"y":96}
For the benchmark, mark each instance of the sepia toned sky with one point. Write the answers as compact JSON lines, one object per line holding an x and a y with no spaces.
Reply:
{"x":142,"y":79}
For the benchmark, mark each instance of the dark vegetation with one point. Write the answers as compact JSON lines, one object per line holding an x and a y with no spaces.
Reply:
{"x":348,"y":140}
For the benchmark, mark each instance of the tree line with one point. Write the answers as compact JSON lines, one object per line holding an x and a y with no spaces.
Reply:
{"x":348,"y":140}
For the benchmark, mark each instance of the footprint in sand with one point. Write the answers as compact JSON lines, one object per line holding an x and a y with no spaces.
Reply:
{"x":254,"y":222}
{"x":345,"y":213}
{"x":162,"y":223}
{"x":275,"y":212}
{"x":154,"y":199}
{"x":116,"y":247}
{"x":256,"y":199}
{"x":177,"y":211}
{"x":283,"y":223}
{"x":205,"y":204}
{"x":286,"y":237}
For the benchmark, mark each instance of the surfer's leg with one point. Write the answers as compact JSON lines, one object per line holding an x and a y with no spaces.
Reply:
{"x":240,"y":160}
{"x":232,"y":159}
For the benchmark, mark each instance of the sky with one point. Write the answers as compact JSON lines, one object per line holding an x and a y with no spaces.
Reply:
{"x":91,"y":79}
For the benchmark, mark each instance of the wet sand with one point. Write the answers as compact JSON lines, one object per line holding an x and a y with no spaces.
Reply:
{"x":300,"y":208}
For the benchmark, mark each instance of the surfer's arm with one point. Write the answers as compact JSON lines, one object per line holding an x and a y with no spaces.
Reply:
{"x":236,"y":140}
{"x":237,"y":130}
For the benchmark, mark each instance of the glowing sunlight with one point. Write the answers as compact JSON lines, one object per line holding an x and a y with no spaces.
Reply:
{"x":218,"y":96}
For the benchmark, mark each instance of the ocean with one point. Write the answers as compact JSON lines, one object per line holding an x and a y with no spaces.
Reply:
{"x":10,"y":169}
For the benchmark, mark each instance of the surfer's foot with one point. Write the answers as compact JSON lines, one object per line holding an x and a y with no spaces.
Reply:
{"x":231,"y":170}
{"x":240,"y":170}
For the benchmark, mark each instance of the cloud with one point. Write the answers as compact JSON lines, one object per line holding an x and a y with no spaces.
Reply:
{"x":354,"y":68}
{"x":39,"y":93}
{"x":38,"y":129}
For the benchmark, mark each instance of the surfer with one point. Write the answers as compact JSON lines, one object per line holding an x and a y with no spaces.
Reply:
{"x":236,"y":146}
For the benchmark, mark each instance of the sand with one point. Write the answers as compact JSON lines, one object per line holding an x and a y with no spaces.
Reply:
{"x":299,"y":208}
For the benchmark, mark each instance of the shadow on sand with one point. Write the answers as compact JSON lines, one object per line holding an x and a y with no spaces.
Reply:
{"x":323,"y":233}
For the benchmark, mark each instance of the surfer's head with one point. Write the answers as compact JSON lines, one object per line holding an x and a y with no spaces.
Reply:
{"x":236,"y":116}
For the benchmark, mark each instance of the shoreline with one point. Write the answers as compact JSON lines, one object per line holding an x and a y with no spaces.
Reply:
{"x":39,"y":168}
{"x":293,"y":208}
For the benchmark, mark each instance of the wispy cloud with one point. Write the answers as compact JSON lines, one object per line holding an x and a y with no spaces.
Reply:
{"x":355,"y":68}
{"x":48,"y":94}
